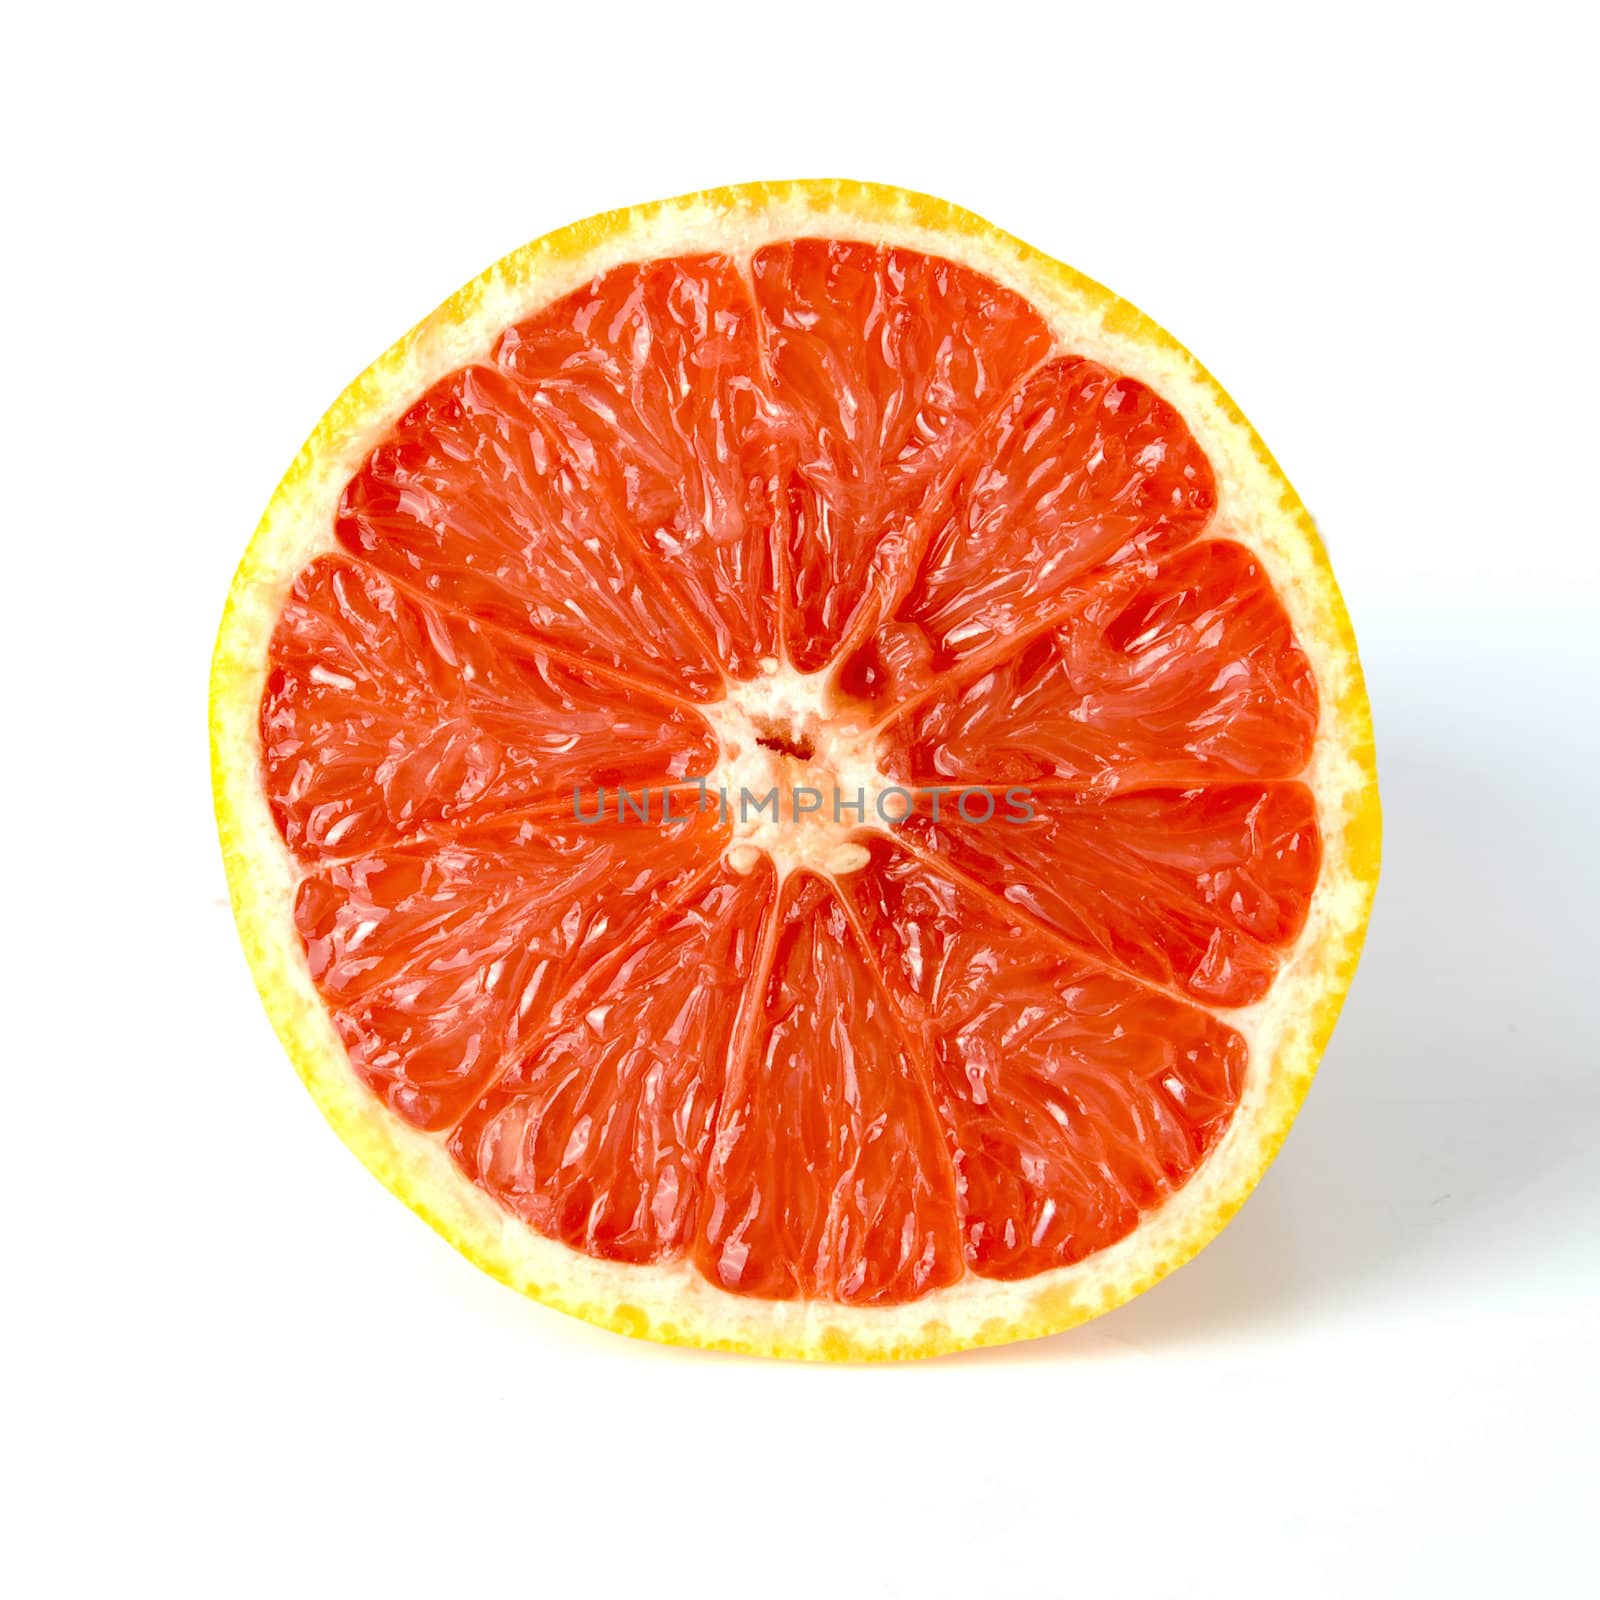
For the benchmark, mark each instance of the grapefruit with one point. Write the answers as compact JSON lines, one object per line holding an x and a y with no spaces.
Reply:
{"x":795,"y":778}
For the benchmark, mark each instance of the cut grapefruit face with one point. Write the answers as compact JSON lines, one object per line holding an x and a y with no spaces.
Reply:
{"x":794,"y":778}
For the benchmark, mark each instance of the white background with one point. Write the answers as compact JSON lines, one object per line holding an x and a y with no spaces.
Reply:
{"x":237,"y":1365}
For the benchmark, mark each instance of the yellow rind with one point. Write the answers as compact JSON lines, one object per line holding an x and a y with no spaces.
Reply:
{"x":1288,"y":1032}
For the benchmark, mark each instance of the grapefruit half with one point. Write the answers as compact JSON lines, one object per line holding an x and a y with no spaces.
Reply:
{"x":789,"y":490}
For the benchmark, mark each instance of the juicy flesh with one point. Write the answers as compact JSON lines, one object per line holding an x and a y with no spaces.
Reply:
{"x":829,"y":513}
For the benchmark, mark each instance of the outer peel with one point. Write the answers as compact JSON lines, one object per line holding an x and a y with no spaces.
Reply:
{"x":1287,"y":1031}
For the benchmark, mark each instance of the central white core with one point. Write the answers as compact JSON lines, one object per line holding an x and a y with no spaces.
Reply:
{"x":786,"y":732}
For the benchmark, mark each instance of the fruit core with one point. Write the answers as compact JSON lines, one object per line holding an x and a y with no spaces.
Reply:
{"x":797,"y":775}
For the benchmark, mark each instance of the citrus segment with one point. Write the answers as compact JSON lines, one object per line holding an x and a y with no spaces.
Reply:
{"x":385,"y":716}
{"x":880,"y":364}
{"x":1175,"y":672}
{"x":830,"y":1178}
{"x":600,"y":1134}
{"x":803,"y":487}
{"x":439,"y":959}
{"x":478,"y":501}
{"x":648,"y":378}
{"x":1074,"y":1100}
{"x":1193,"y":889}
{"x":1079,"y":470}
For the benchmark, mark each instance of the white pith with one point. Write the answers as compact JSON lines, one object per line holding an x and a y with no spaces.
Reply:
{"x":670,"y":1300}
{"x":842,"y":770}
